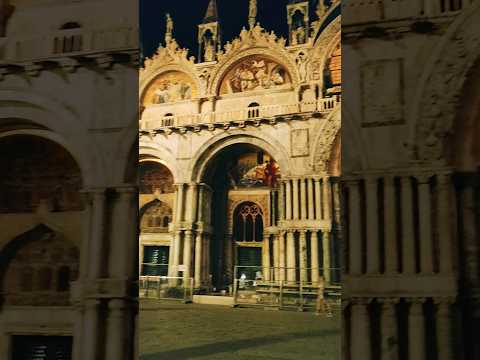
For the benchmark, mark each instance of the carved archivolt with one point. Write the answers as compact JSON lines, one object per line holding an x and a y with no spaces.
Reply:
{"x":441,"y":87}
{"x":324,"y":142}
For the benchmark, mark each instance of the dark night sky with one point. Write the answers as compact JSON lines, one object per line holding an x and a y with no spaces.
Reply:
{"x":187,"y":14}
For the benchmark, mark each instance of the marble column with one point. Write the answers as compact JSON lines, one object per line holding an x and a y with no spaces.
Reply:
{"x":78,"y":331}
{"x":201,"y":200}
{"x":91,"y":329}
{"x":177,"y":240}
{"x":389,"y":334}
{"x":444,"y":224}
{"x":444,"y":328}
{"x":282,"y":249}
{"x":408,"y":237}
{"x":425,"y":224}
{"x":198,"y":259}
{"x":207,"y":258}
{"x":416,"y":330}
{"x":97,"y":237}
{"x":326,"y":256}
{"x":180,"y":202}
{"x":296,"y":209}
{"x":354,"y":229}
{"x":86,"y":234}
{"x":311,"y":199}
{"x":360,"y":329}
{"x":391,"y":263}
{"x":193,"y":201}
{"x":266,"y":257}
{"x":116,"y":327}
{"x":281,"y":201}
{"x":303,"y":258}
{"x":318,"y":199}
{"x":327,"y":211}
{"x":303,"y":199}
{"x":470,"y":237}
{"x":289,"y":205}
{"x":373,"y":246}
{"x":276,"y":256}
{"x":291,"y":260}
{"x":314,"y":240}
{"x":187,"y":256}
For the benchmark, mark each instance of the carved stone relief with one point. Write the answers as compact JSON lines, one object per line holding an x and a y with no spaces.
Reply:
{"x":299,"y":139}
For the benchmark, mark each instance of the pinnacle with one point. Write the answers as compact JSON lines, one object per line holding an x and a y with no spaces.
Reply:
{"x":211,"y":15}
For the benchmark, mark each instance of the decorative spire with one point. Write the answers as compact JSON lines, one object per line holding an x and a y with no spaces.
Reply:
{"x":212,"y":14}
{"x":252,"y":13}
{"x":169,"y":28}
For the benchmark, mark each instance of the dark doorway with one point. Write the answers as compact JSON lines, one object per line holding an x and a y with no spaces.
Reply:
{"x":155,"y":260}
{"x":42,"y":347}
{"x":249,"y":261}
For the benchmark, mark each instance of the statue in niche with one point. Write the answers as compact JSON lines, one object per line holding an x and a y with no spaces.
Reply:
{"x":298,"y":36}
{"x":209,"y":54}
{"x":302,"y":66}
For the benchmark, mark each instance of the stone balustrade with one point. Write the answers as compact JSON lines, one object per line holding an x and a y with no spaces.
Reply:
{"x":71,"y":42}
{"x":152,"y":117}
{"x":360,"y":11}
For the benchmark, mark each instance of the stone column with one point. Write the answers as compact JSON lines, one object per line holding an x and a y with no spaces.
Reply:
{"x":303,"y":199}
{"x":291,"y":261}
{"x":444,"y":224}
{"x":176,"y":255}
{"x":296,"y":209}
{"x":187,"y":256}
{"x":281,"y":201}
{"x":276,"y":256}
{"x":354,"y":229}
{"x":90,"y":329}
{"x":86,"y":234}
{"x":140,"y":258}
{"x":97,"y":237}
{"x":207,"y":258}
{"x":408,"y":237}
{"x":314,"y":239}
{"x":180,"y":202}
{"x":373,"y":247}
{"x":311,"y":199}
{"x":171,"y":256}
{"x":201,"y":199}
{"x":389,"y":334}
{"x":289,"y":205}
{"x":116,"y":326}
{"x":318,"y":199}
{"x":78,"y":332}
{"x":326,"y":255}
{"x":282,"y":249}
{"x":302,"y":242}
{"x":326,"y":198}
{"x":416,"y":330}
{"x":198,"y":259}
{"x":444,"y":328}
{"x":266,"y":257}
{"x":360,"y":329}
{"x":426,"y":241}
{"x":391,"y":263}
{"x":192,"y":216}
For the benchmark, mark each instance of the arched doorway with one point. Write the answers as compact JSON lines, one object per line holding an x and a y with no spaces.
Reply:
{"x":243,"y":180}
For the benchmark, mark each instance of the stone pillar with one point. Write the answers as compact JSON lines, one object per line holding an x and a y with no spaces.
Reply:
{"x":311,"y":199}
{"x":201,"y":199}
{"x":326,"y":198}
{"x":276,"y":256}
{"x":291,"y":261}
{"x":389,"y":334}
{"x":444,"y":224}
{"x":326,"y":256}
{"x":318,"y":199}
{"x":314,"y":240}
{"x":180,"y":202}
{"x":391,"y":263}
{"x":187,"y":256}
{"x":303,"y":199}
{"x":302,"y":242}
{"x":281,"y":201}
{"x":176,"y":255}
{"x":266,"y":257}
{"x":97,"y":237}
{"x":140,"y":258}
{"x":288,"y":189}
{"x":116,"y":327}
{"x":408,"y":237}
{"x":90,"y":330}
{"x":373,"y":246}
{"x":425,"y":224}
{"x":171,"y":256}
{"x":78,"y":332}
{"x":282,"y":249}
{"x":360,"y":329}
{"x":86,"y":234}
{"x":354,"y":229}
{"x":296,"y":209}
{"x":416,"y":330}
{"x":192,"y":216}
{"x":207,"y":258}
{"x":198,"y":259}
{"x":444,"y":328}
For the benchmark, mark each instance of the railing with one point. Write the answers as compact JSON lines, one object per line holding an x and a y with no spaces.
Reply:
{"x":361,"y":11}
{"x":68,"y":42}
{"x":166,"y":288}
{"x":152,"y":120}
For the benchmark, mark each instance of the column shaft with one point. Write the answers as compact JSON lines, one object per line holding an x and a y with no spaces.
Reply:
{"x":311,"y":199}
{"x":303,"y":199}
{"x":282,"y":249}
{"x":327,"y":211}
{"x":276,"y":256}
{"x":354,"y":230}
{"x":302,"y":242}
{"x":389,"y":334}
{"x":408,"y":237}
{"x":444,"y":330}
{"x":289,"y":205}
{"x":192,"y":216}
{"x":416,"y":331}
{"x":426,"y":242}
{"x":187,"y":256}
{"x":180,"y":202}
{"x":391,"y":263}
{"x":318,"y":200}
{"x":90,"y":330}
{"x":314,"y":239}
{"x":291,"y":260}
{"x":198,"y":259}
{"x":98,"y":235}
{"x":176,"y":255}
{"x":360,"y":325}
{"x":444,"y":225}
{"x":373,"y":249}
{"x":266,"y":257}
{"x":296,"y":209}
{"x":326,"y":256}
{"x":116,"y":327}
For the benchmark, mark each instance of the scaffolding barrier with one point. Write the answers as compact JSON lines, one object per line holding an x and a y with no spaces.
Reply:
{"x":166,"y":288}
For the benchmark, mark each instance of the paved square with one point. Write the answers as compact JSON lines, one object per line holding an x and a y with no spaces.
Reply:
{"x":174,"y":331}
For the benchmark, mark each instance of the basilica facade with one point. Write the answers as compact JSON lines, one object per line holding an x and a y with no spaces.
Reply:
{"x":240,"y":151}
